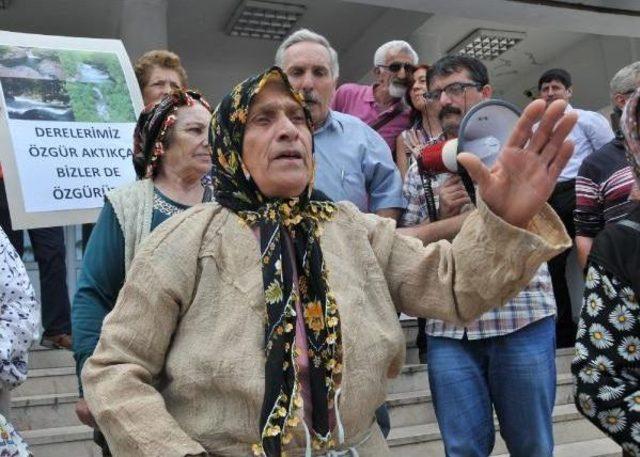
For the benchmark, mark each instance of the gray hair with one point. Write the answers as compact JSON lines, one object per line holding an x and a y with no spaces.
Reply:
{"x":625,"y":80}
{"x":308,"y":36}
{"x":397,"y":46}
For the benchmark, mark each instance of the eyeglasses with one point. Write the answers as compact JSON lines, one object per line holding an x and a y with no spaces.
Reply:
{"x":395,"y":67}
{"x":452,"y":90}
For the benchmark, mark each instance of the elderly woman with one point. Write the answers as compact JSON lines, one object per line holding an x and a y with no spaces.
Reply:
{"x":265,"y":322}
{"x":607,"y":362}
{"x":158,"y":73}
{"x":171,"y":157}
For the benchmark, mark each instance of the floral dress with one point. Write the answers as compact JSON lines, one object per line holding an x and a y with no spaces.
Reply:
{"x":607,"y":360}
{"x":19,"y":316}
{"x":11,"y":443}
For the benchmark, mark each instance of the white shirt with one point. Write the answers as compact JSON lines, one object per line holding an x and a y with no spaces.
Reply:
{"x":591,"y":132}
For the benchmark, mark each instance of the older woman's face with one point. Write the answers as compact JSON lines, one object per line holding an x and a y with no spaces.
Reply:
{"x":160,"y":83}
{"x":188,"y":153}
{"x":277,"y":143}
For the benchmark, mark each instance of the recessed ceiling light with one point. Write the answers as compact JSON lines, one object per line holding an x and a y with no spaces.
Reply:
{"x":486,"y":44}
{"x":264,"y":20}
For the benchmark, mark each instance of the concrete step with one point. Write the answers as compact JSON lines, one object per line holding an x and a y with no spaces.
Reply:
{"x":45,"y":381}
{"x":411,"y":355}
{"x":41,"y":357}
{"x":425,"y":440}
{"x":564,"y":356}
{"x":412,"y":378}
{"x":593,"y":448}
{"x":44,"y":411}
{"x":74,"y":441}
{"x":414,"y":408}
{"x":410,"y":330}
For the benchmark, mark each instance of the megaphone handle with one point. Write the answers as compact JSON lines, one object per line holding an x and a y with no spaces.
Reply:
{"x":429,"y":197}
{"x":468,"y":183}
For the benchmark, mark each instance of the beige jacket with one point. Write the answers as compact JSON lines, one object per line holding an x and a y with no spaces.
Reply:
{"x":133,"y":206}
{"x":190,"y":318}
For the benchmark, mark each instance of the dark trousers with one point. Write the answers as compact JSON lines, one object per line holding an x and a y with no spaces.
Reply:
{"x":563,"y":201}
{"x":100,"y":440}
{"x":421,"y":338}
{"x":383,"y":419}
{"x":86,"y":234}
{"x":49,"y":252}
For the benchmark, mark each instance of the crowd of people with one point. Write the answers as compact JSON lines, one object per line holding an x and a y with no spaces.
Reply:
{"x":243,"y":295}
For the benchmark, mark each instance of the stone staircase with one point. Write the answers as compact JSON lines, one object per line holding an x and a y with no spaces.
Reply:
{"x":415,"y":433}
{"x":43,"y":410}
{"x":43,"y":407}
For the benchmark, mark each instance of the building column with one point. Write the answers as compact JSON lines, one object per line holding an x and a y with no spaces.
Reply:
{"x":143,"y":26}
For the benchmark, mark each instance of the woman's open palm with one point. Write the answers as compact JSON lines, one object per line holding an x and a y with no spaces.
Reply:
{"x":525,"y":173}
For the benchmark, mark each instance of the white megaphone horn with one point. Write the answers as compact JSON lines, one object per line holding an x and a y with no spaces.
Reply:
{"x":483,"y":131}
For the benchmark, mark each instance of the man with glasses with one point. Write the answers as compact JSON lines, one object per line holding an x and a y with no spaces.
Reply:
{"x":605,"y":180}
{"x":380,"y":105}
{"x":505,"y":359}
{"x":591,"y":132}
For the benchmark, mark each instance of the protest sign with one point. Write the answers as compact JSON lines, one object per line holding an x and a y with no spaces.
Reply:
{"x":69,"y":107}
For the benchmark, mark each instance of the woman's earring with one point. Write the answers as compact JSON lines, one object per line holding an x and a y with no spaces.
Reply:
{"x":246,"y":173}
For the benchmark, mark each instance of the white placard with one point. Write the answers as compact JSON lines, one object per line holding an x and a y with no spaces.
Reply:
{"x":69,"y":107}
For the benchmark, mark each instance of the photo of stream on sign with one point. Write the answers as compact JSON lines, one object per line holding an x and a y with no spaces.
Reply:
{"x":68,"y":119}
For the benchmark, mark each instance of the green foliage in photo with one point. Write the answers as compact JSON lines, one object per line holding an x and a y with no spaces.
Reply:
{"x":96,"y":87}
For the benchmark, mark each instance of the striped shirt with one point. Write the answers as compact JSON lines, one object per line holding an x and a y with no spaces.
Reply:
{"x":603,"y":185}
{"x":533,"y":303}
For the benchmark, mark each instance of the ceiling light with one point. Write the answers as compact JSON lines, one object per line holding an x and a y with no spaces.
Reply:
{"x":486,"y":44}
{"x":264,"y":20}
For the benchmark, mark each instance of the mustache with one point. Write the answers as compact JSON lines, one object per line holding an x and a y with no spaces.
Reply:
{"x":448,"y":110}
{"x":309,"y":97}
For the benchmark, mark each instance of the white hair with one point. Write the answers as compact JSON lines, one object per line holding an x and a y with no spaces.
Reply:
{"x":308,"y":36}
{"x":626,"y":79}
{"x":398,"y":46}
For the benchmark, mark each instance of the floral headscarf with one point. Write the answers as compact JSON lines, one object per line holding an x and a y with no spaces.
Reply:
{"x":301,"y":218}
{"x":629,"y":126}
{"x":152,"y":127}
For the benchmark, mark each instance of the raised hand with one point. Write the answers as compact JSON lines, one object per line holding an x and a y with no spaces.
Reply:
{"x":522,"y":179}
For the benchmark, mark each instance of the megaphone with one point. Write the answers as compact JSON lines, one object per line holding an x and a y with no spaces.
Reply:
{"x":483,"y":131}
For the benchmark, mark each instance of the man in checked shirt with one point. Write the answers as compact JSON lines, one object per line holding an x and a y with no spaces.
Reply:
{"x":504,"y":360}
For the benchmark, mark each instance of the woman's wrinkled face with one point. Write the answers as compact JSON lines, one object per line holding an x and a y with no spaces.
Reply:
{"x":419,"y":88}
{"x":277,"y":144}
{"x":188,"y":152}
{"x":161,"y":82}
